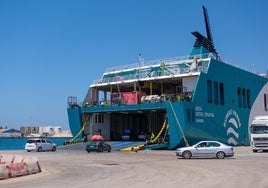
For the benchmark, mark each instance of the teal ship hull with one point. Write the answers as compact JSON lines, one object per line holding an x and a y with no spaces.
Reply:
{"x":178,"y":100}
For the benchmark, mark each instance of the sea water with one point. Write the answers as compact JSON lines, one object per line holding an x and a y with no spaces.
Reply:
{"x":19,"y":143}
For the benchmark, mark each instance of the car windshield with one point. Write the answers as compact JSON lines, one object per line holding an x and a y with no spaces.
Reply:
{"x":259,"y":129}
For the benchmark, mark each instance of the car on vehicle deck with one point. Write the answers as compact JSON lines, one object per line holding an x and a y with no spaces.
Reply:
{"x":40,"y":144}
{"x":206,"y":149}
{"x":98,"y":146}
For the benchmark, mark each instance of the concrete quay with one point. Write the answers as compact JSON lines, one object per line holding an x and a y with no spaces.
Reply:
{"x":148,"y":168}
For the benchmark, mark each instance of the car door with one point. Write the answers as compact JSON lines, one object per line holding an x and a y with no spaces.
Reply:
{"x":49,"y":145}
{"x":44,"y":144}
{"x":201,"y":150}
{"x":213,"y":148}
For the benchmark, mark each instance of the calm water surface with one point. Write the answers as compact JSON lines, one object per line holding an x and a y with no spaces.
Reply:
{"x":19,"y":143}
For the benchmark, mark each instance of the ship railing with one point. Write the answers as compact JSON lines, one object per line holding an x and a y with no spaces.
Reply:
{"x":155,"y":74}
{"x":144,"y":65}
{"x":75,"y":104}
{"x":151,"y":63}
{"x":243,"y":67}
{"x":184,"y":96}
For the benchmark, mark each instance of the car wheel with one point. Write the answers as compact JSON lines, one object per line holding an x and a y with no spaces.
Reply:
{"x":54,"y":148}
{"x":39,"y":149}
{"x":255,"y":150}
{"x":186,"y":154}
{"x":29,"y":150}
{"x":220,"y":155}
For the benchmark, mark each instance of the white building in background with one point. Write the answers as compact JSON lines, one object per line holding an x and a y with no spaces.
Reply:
{"x":57,"y":130}
{"x":47,"y":131}
{"x":50,"y":130}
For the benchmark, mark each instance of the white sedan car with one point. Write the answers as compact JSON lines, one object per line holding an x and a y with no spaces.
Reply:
{"x":206,"y":149}
{"x":40,"y":144}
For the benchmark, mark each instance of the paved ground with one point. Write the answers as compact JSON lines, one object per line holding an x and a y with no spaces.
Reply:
{"x":77,"y":168}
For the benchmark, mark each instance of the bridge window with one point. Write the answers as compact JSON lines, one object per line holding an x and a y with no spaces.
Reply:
{"x":188,"y":113}
{"x":193,"y":115}
{"x":265,"y":102}
{"x":216,"y":92}
{"x":239,"y":95}
{"x":244,"y":98}
{"x":209,"y":91}
{"x":248,"y":98}
{"x":221,"y":94}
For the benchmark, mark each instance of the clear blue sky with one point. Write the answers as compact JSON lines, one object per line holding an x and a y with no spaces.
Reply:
{"x":52,"y":49}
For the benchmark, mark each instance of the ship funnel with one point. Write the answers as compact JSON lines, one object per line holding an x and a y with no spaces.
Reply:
{"x":202,"y":41}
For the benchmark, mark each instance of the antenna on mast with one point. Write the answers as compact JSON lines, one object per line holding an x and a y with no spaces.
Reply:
{"x":209,"y":35}
{"x":201,"y":40}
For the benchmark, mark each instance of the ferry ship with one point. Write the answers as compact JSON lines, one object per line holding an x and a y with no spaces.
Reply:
{"x":173,"y":102}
